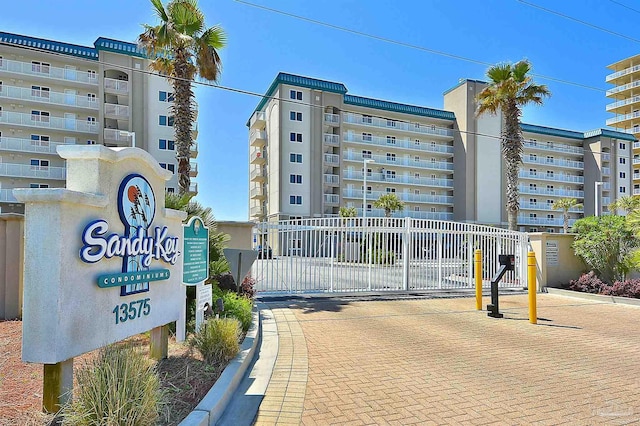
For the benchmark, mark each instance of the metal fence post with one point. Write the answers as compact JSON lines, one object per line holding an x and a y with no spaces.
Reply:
{"x":439,"y":246}
{"x":406,"y":252}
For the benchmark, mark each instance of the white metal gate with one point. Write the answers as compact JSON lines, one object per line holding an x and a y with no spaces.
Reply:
{"x":381,"y":254}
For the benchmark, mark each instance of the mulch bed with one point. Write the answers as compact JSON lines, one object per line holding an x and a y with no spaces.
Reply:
{"x":185,"y":379}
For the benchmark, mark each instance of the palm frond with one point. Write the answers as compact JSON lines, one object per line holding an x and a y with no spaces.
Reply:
{"x":159,"y":10}
{"x":520,"y":71}
{"x":207,"y":57}
{"x":186,"y":17}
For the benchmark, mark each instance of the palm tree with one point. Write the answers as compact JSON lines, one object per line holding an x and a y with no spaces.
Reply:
{"x":183,"y":48}
{"x":626,"y":203}
{"x":389,"y":202}
{"x":566,"y":204}
{"x":348,"y":212}
{"x":511,"y":88}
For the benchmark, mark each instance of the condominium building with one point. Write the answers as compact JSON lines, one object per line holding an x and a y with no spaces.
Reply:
{"x":54,"y":93}
{"x":625,"y":105}
{"x":315,"y":148}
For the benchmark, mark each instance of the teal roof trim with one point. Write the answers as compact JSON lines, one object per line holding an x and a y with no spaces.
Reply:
{"x":396,"y":107}
{"x":118,"y":46}
{"x":49,"y":45}
{"x":550,"y":131}
{"x":461,"y":82}
{"x":610,"y":134}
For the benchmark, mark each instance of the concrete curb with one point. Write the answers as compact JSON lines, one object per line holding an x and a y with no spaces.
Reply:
{"x":595,"y":297}
{"x":210,"y":409}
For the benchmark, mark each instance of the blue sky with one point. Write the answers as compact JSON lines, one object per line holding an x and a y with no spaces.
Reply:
{"x":261,"y":43}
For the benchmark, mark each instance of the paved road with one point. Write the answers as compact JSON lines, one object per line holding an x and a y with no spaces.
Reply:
{"x":441,"y":362}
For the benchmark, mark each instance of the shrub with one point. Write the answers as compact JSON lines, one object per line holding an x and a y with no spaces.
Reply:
{"x":587,"y":283}
{"x":628,"y":288}
{"x":238,"y":307}
{"x":247,"y":289}
{"x":120,"y":386}
{"x":217,"y":340}
{"x":225,"y":282}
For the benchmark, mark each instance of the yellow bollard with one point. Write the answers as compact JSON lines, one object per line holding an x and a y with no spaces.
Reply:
{"x":477,"y":263}
{"x":531,"y":284}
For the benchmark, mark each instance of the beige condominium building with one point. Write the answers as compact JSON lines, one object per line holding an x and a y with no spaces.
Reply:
{"x":625,"y":104}
{"x":54,"y":93}
{"x":313,"y":146}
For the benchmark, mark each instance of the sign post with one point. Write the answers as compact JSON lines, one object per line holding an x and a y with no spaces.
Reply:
{"x":195,"y":270}
{"x":240,"y":262}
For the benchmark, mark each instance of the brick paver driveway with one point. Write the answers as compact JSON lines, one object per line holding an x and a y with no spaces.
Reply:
{"x":438,"y":361}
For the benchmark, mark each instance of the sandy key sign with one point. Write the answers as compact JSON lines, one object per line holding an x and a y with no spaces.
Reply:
{"x":195,"y":239}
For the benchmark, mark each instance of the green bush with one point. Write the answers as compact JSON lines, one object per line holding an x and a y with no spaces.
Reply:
{"x":217,"y":340}
{"x":235,"y":306}
{"x":119,"y":387}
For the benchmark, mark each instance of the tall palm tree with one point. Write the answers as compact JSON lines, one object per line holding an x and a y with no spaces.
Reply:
{"x":389,"y":202}
{"x":509,"y":90}
{"x":626,"y":203}
{"x":183,"y":48}
{"x":566,"y":204}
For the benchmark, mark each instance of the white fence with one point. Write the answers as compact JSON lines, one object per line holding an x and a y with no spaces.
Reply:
{"x":381,"y":254}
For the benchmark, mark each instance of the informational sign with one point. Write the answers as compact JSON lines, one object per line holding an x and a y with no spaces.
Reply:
{"x":204,"y":295}
{"x":552,"y":252}
{"x":195,"y":267}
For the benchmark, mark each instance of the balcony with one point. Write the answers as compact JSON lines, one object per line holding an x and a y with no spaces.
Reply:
{"x":573,"y":193}
{"x":193,"y":172}
{"x":194,"y":149}
{"x":257,"y":211}
{"x":622,"y":73}
{"x":555,"y":162}
{"x":193,"y":188}
{"x":403,"y":126}
{"x":6,"y":196}
{"x":409,"y":213}
{"x":401,"y":179}
{"x":47,"y":97}
{"x":332,"y":199}
{"x":606,"y":171}
{"x":636,"y":161}
{"x":636,"y":191}
{"x":431,"y":147}
{"x":527,"y":205}
{"x":526,"y":220}
{"x":120,"y":137}
{"x":554,"y":147}
{"x":258,"y":175}
{"x":332,"y":159}
{"x":331,"y":119}
{"x":606,"y":186}
{"x":409,"y":197}
{"x":29,"y":146}
{"x":48,"y":122}
{"x":622,"y":88}
{"x":258,"y":156}
{"x":257,"y":193}
{"x":258,"y":138}
{"x":48,"y":72}
{"x":116,"y":111}
{"x":399,"y":161}
{"x":333,"y":140}
{"x":624,"y":102}
{"x":120,"y":87}
{"x":194,"y":131}
{"x":29,"y":171}
{"x":636,"y":145}
{"x":606,"y":156}
{"x":619,"y":118}
{"x":331,"y":180}
{"x":606,"y":201}
{"x":556,"y":177}
{"x":258,"y":120}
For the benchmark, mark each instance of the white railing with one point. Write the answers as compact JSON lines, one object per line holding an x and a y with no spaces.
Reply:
{"x":117,"y":135}
{"x":606,"y":171}
{"x":607,"y":157}
{"x":47,"y":71}
{"x":636,"y":191}
{"x":606,"y":185}
{"x":116,"y":110}
{"x":636,"y":145}
{"x":333,"y":119}
{"x":424,"y":129}
{"x":526,"y":220}
{"x":6,"y":196}
{"x":606,"y":201}
{"x":28,"y":145}
{"x":623,"y":102}
{"x":193,"y":188}
{"x":399,"y":161}
{"x":545,"y":206}
{"x":332,"y":199}
{"x":258,"y":155}
{"x":381,"y":254}
{"x":258,"y":118}
{"x":623,"y":72}
{"x":193,"y":168}
{"x":331,"y":139}
{"x":257,"y":136}
{"x":556,"y":177}
{"x":431,"y":147}
{"x":636,"y":161}
{"x":524,"y":189}
{"x":331,"y":179}
{"x":555,"y":147}
{"x":256,"y":211}
{"x":620,"y":118}
{"x":257,"y":173}
{"x":45,"y":121}
{"x":29,"y":171}
{"x":47,"y":97}
{"x":401,"y":179}
{"x":402,"y":196}
{"x":553,"y":162}
{"x":332,"y":158}
{"x":257,"y":192}
{"x":120,"y":86}
{"x":622,"y":88}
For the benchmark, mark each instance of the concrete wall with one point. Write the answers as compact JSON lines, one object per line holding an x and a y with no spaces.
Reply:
{"x":11,"y":261}
{"x":556,"y":262}
{"x":240,"y":233}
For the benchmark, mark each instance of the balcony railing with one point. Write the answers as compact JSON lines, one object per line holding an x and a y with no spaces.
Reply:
{"x":574,"y":193}
{"x":545,"y":206}
{"x":606,"y":171}
{"x":636,"y":161}
{"x":28,"y":145}
{"x":330,"y":179}
{"x":333,"y":140}
{"x":622,"y":88}
{"x":257,"y":211}
{"x":553,"y":162}
{"x":625,"y":71}
{"x":556,"y":177}
{"x":47,"y":97}
{"x":402,"y":196}
{"x":526,"y":220}
{"x":409,"y":213}
{"x":257,"y":192}
{"x":258,"y":119}
{"x":115,"y":135}
{"x":636,"y":191}
{"x":636,"y":145}
{"x":257,"y":137}
{"x":6,"y":196}
{"x":333,"y":199}
{"x":362,"y":120}
{"x":120,"y":111}
{"x":47,"y":71}
{"x":193,"y":172}
{"x":606,"y":186}
{"x":556,"y":147}
{"x":118,"y":86}
{"x":625,"y":117}
{"x":332,"y":119}
{"x":29,"y":171}
{"x":431,"y":147}
{"x":332,"y":158}
{"x":618,"y":104}
{"x":257,"y":174}
{"x":193,"y":188}
{"x":258,"y":156}
{"x":399,"y":161}
{"x":45,"y":121}
{"x":399,"y":179}
{"x":194,"y":149}
{"x":606,"y":156}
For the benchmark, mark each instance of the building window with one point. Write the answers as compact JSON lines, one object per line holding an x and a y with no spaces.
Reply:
{"x":623,"y":146}
{"x":295,"y":137}
{"x":1,"y":61}
{"x":549,"y":159}
{"x":623,"y":161}
{"x":416,"y":142}
{"x":623,"y":189}
{"x":366,"y":154}
{"x":91,"y":142}
{"x":366,"y":137}
{"x":390,"y":190}
{"x":164,"y":120}
{"x":91,"y":121}
{"x":295,"y":158}
{"x":166,"y":144}
{"x":390,"y":174}
{"x":391,"y":140}
{"x":550,"y":173}
{"x":39,"y":164}
{"x":416,"y":175}
{"x":91,"y":97}
{"x":391,"y":157}
{"x":165,"y":96}
{"x":367,"y":119}
{"x":38,"y":185}
{"x":295,"y":94}
{"x":169,"y":166}
{"x":295,"y":178}
{"x":40,"y":140}
{"x":40,"y":67}
{"x":295,"y":116}
{"x":171,"y":190}
{"x":550,"y":216}
{"x":295,"y":199}
{"x":533,"y":230}
{"x":623,"y":175}
{"x":91,"y":74}
{"x":416,"y":158}
{"x":550,"y":230}
{"x":391,"y":123}
{"x":533,"y":157}
{"x":41,"y":116}
{"x":40,"y":92}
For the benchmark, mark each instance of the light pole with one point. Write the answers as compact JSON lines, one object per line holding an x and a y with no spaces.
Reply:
{"x":132,"y":134}
{"x":365,"y":161}
{"x":597,"y":197}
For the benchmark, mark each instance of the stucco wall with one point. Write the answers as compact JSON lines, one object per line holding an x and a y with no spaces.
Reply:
{"x":11,"y":259}
{"x":553,"y":269}
{"x":240,"y":233}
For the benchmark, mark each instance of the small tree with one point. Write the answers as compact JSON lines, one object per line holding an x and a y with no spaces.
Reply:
{"x":348,"y":212}
{"x":626,"y":203}
{"x":389,"y":202}
{"x":606,"y":244}
{"x":565,"y":205}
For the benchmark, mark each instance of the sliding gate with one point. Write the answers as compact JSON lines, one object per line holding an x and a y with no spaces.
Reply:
{"x":381,"y":254}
